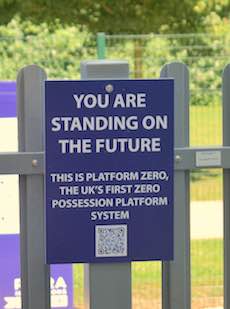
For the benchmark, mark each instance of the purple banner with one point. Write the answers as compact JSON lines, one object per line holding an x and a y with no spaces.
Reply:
{"x":61,"y":282}
{"x":8,"y":99}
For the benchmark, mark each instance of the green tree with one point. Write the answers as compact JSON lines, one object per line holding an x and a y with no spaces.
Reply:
{"x":58,"y":50}
{"x":119,"y":16}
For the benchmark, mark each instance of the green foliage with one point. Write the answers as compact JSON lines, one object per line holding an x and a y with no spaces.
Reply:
{"x":205,"y":56}
{"x":118,"y":16}
{"x":59,"y":49}
{"x":59,"y":46}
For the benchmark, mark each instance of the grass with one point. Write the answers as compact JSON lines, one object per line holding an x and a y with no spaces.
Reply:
{"x":206,"y":125}
{"x":206,"y":273}
{"x":206,"y":185}
{"x":206,"y":264}
{"x":206,"y":130}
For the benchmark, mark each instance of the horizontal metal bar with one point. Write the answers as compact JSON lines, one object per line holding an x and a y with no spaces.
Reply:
{"x":22,"y":163}
{"x":169,"y":36}
{"x":202,"y":157}
{"x":29,"y":163}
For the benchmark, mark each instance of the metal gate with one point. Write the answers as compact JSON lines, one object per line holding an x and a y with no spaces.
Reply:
{"x":29,"y":164}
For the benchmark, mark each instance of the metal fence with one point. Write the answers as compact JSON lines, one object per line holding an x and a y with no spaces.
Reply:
{"x":176,"y":274}
{"x":206,"y":55}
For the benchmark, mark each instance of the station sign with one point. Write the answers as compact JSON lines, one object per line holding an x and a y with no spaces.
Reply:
{"x":109,"y":170}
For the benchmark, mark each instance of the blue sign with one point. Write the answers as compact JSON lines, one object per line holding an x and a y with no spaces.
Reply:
{"x":109,"y":170}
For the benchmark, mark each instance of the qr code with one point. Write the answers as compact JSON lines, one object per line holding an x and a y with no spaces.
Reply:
{"x":111,"y":240}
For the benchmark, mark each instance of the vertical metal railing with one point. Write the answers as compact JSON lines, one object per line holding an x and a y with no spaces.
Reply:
{"x":35,"y":274}
{"x":176,"y":274}
{"x":101,"y":45}
{"x":226,"y":142}
{"x":107,"y":285}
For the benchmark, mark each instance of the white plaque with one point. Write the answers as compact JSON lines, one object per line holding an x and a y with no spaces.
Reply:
{"x":208,"y":158}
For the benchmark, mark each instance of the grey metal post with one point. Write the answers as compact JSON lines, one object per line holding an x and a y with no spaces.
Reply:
{"x":34,"y":272}
{"x":226,"y":179}
{"x":176,"y":274}
{"x":107,"y":286}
